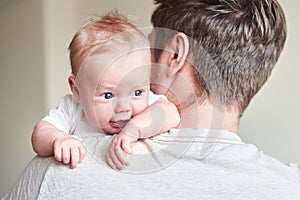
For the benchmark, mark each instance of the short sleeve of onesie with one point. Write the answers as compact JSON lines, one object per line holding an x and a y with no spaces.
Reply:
{"x":62,"y":116}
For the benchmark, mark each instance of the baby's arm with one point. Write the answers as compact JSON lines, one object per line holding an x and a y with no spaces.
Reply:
{"x":159,"y":117}
{"x":47,"y":140}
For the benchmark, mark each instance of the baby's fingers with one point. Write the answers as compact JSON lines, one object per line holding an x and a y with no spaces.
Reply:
{"x":78,"y":153}
{"x":58,"y":154}
{"x":66,"y":153}
{"x":127,"y":146}
{"x":83,"y":152}
{"x":112,"y":159}
{"x":75,"y":154}
{"x":114,"y":155}
{"x":121,"y":155}
{"x":109,"y":160}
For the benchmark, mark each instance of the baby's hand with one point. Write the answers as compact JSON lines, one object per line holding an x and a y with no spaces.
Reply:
{"x":120,"y":144}
{"x":69,"y":150}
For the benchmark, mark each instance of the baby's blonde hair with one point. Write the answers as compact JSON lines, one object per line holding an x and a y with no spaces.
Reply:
{"x":96,"y":32}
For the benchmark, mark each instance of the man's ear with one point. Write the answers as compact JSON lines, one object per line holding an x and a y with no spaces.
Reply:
{"x":179,"y":44}
{"x":74,"y":89}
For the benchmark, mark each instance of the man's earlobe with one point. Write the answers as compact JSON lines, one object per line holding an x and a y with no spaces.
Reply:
{"x":73,"y":88}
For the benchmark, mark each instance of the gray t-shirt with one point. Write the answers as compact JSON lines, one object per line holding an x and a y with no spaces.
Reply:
{"x":181,"y":164}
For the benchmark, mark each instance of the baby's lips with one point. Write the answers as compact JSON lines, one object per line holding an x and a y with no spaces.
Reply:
{"x":119,"y":123}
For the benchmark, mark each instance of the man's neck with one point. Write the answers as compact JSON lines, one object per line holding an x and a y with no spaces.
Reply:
{"x":205,"y":115}
{"x":196,"y":112}
{"x":213,"y":117}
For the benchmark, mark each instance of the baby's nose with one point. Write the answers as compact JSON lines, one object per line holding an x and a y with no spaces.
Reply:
{"x":123,"y":106}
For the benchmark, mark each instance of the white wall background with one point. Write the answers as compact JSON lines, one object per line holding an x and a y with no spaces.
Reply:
{"x":22,"y":91}
{"x":34,"y":66}
{"x":272,"y":121}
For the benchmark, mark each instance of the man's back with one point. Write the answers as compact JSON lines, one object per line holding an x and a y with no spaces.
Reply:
{"x":183,"y":165}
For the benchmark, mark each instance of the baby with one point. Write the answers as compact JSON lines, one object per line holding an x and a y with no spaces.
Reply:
{"x":110,"y":86}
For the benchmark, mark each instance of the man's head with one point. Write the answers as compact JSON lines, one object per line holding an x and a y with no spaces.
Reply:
{"x":110,"y":61}
{"x":233,"y":44}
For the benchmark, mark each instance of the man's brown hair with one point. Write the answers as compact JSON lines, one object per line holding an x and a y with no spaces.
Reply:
{"x":234,"y":43}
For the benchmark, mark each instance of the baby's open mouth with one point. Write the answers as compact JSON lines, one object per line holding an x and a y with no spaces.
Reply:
{"x":118,"y":124}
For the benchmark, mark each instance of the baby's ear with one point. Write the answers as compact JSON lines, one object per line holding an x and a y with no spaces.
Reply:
{"x":73,"y":88}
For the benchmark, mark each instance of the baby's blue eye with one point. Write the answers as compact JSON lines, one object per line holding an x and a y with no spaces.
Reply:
{"x":137,"y":93}
{"x":108,"y":95}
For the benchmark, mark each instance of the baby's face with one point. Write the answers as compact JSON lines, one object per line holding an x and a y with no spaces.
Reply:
{"x":121,"y":91}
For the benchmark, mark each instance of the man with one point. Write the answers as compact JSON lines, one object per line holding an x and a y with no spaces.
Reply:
{"x":232,"y":47}
{"x":211,"y":58}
